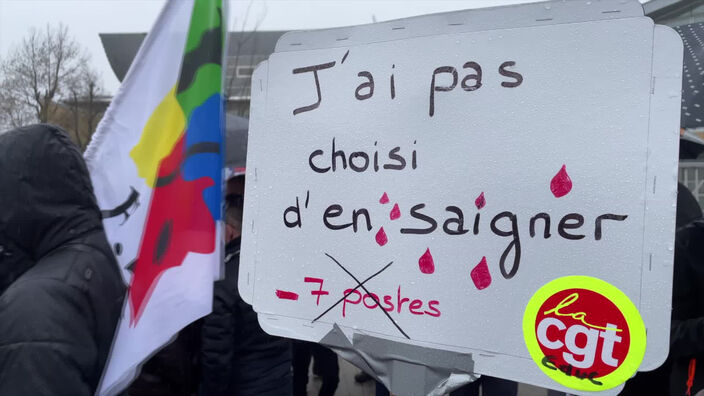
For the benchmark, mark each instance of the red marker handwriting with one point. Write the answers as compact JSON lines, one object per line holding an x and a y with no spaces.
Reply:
{"x":381,"y":237}
{"x":394,"y":303}
{"x":480,"y":201}
{"x":319,"y":292}
{"x":395,"y":212}
{"x":561,"y":184}
{"x":286,"y":295}
{"x":426,"y":263}
{"x":480,"y":275}
{"x":384,"y":199}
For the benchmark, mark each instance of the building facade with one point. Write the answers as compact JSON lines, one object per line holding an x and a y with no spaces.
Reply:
{"x":245,"y":51}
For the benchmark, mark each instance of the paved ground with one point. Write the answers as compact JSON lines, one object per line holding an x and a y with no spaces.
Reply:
{"x":348,"y":387}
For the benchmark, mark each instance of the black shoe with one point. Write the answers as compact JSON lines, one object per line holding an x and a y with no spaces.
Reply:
{"x":362,"y":377}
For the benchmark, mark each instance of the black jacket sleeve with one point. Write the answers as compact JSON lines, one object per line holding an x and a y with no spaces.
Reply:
{"x":687,"y":338}
{"x":57,"y":323}
{"x":218,"y":342}
{"x":54,"y":345}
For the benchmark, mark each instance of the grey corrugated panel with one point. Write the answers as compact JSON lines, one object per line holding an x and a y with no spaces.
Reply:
{"x":693,"y":75}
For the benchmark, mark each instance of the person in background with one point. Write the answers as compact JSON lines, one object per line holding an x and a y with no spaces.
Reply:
{"x":687,"y":327}
{"x":237,"y":356}
{"x":61,"y":291}
{"x":679,"y":374}
{"x":685,"y":363}
{"x":325,"y":361}
{"x":174,"y":370}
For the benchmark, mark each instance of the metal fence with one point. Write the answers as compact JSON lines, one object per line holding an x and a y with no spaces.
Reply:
{"x":691,"y":174}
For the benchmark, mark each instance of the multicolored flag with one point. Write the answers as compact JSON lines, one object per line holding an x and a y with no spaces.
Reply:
{"x":156,"y":162}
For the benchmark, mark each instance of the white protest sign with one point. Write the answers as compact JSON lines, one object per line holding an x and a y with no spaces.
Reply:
{"x":499,"y":183}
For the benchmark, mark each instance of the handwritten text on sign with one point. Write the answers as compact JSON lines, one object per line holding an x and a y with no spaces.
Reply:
{"x":504,"y":224}
{"x":428,"y":197}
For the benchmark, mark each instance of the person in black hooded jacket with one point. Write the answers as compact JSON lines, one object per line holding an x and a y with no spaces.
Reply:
{"x":61,"y":291}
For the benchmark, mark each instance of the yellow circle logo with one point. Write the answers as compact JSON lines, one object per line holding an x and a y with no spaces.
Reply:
{"x":584,"y":333}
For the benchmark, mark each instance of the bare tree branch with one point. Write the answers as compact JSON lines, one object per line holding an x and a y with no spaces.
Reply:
{"x":37,"y":72}
{"x":47,"y":78}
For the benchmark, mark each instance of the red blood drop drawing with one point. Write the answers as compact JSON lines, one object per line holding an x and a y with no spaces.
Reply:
{"x":395,"y":212}
{"x":480,"y":275}
{"x":480,"y":201}
{"x":286,"y":295}
{"x":561,"y":184}
{"x":381,"y":238}
{"x":384,"y":199}
{"x":426,"y":263}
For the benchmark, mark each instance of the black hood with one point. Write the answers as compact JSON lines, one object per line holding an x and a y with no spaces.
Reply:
{"x":46,"y":197}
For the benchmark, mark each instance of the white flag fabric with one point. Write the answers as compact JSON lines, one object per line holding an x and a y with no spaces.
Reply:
{"x":156,"y":165}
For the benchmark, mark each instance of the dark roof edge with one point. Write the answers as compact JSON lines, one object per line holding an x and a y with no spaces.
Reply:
{"x":121,"y":48}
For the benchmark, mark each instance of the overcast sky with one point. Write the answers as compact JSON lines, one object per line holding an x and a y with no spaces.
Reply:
{"x":87,"y":18}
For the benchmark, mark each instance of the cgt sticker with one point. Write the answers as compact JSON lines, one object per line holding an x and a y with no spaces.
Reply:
{"x":584,"y":333}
